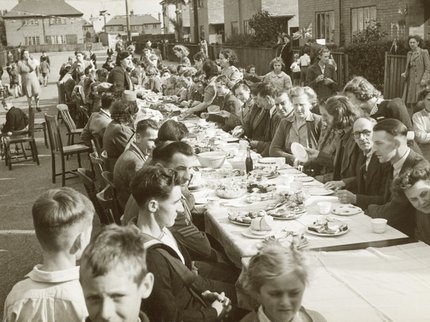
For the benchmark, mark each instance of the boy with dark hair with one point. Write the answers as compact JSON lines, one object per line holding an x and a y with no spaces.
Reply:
{"x":114,"y":276}
{"x":63,"y":223}
{"x":179,"y":294}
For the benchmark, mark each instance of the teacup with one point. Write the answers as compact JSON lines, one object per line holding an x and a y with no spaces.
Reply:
{"x":324,"y":207}
{"x":379,"y":225}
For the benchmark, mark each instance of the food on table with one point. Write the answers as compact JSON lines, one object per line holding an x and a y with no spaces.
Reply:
{"x":265,"y":172}
{"x":262,"y":197}
{"x":327,"y":226}
{"x":245,"y":217}
{"x":231,"y":190}
{"x":287,"y":211}
{"x":260,"y":187}
{"x":261,"y":224}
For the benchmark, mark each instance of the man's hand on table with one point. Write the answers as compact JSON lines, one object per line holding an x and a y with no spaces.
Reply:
{"x":219,"y":302}
{"x":253,"y":144}
{"x":346,"y":196}
{"x":237,"y":131}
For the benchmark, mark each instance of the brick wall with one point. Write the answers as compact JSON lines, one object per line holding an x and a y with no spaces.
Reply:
{"x":386,"y":14}
{"x":16,"y":31}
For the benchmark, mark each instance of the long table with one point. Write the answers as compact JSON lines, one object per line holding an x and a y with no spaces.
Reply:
{"x":237,"y":246}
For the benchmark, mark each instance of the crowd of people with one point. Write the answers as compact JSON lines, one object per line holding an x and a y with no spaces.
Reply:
{"x":160,"y":265}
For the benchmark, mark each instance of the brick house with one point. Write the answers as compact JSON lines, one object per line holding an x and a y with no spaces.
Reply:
{"x":210,"y":20}
{"x":38,"y":22}
{"x":338,"y":20}
{"x":139,"y":24}
{"x":237,"y":14}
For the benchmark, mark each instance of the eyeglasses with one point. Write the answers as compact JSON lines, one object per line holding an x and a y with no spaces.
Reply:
{"x":366,"y":134}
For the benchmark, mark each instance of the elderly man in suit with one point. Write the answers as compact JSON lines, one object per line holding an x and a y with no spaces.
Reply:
{"x":390,"y":146}
{"x":133,"y":158}
{"x":368,"y":185}
{"x":322,"y":76}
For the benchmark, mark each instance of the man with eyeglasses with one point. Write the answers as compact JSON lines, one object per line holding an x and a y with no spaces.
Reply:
{"x":368,"y":186}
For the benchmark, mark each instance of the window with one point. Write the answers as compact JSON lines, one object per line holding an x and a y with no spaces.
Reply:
{"x":361,"y":17}
{"x":71,"y":39}
{"x":325,"y":26}
{"x":155,"y":25}
{"x":33,"y":40}
{"x":234,"y":28}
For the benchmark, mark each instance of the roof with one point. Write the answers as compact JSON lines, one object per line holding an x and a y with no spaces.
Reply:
{"x":134,"y":20}
{"x":37,"y":8}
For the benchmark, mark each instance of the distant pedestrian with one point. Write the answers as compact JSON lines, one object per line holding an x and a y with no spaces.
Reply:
{"x":295,"y":70}
{"x":44,"y":71}
{"x":417,"y":72}
{"x":30,"y":84}
{"x":45,"y":57}
{"x":305,"y":61}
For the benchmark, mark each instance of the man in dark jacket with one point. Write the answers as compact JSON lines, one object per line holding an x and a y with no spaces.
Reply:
{"x":391,"y":145}
{"x":368,"y":185}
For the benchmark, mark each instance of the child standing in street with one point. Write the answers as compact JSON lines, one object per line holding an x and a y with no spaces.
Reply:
{"x":305,"y":61}
{"x":295,"y":69}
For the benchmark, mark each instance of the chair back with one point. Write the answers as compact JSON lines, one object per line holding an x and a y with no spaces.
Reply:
{"x":53,"y":134}
{"x":67,"y":118}
{"x":108,"y":178}
{"x":87,"y":179}
{"x":106,"y":198}
{"x":97,"y":143}
{"x":98,"y":166}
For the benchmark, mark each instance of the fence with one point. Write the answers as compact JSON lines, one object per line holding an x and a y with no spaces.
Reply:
{"x":64,"y":47}
{"x":393,"y":82}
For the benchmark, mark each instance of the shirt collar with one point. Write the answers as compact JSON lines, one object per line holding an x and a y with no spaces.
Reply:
{"x":261,"y":316}
{"x":397,"y":166}
{"x":38,"y":275}
{"x":102,"y":111}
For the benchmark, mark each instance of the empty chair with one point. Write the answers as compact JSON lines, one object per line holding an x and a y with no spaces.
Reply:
{"x":107,"y":200}
{"x":57,"y":148}
{"x":70,"y":124}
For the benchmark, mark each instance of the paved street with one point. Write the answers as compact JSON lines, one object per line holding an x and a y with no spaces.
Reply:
{"x":19,"y":250}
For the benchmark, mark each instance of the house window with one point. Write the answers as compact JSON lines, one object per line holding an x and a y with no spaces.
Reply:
{"x":154,"y":26}
{"x":361,"y":17}
{"x":71,"y":39}
{"x":325,"y":26}
{"x":234,"y":28}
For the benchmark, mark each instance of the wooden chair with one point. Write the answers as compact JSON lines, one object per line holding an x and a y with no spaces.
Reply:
{"x":40,"y":126}
{"x":98,"y":166}
{"x":20,"y":138}
{"x":70,"y":124}
{"x":97,"y":143}
{"x":108,"y":178}
{"x":107,"y":200}
{"x":87,"y":179}
{"x":57,"y":148}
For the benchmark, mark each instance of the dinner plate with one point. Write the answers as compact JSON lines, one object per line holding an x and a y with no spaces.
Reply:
{"x":239,"y":223}
{"x":299,"y":152}
{"x":248,"y":233}
{"x":269,"y":160}
{"x":319,"y":191}
{"x":303,"y":179}
{"x":346,"y":210}
{"x":343,"y":232}
{"x":293,"y":217}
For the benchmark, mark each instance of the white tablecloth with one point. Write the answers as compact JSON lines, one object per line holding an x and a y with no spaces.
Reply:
{"x":383,"y":284}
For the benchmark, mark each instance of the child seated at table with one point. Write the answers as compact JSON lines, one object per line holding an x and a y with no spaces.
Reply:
{"x":113,"y":266}
{"x":51,"y":292}
{"x":276,"y":277}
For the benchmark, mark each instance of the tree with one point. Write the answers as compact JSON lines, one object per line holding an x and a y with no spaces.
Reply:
{"x":266,"y":28}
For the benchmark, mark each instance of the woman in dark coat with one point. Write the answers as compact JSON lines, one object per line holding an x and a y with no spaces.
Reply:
{"x":284,"y":49}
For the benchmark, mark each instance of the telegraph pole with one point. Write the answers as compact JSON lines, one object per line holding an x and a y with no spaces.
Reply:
{"x":128,"y":22}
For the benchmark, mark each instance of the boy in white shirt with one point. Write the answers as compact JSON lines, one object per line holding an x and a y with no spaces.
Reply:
{"x":63,"y":223}
{"x":305,"y":61}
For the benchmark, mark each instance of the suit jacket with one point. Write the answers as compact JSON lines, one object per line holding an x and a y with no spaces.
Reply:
{"x":345,"y":158}
{"x":370,"y":186}
{"x":120,"y":80}
{"x":232,"y":105}
{"x":396,"y":208}
{"x":130,"y":161}
{"x":171,"y":299}
{"x":420,"y":62}
{"x":263,"y":146}
{"x":16,"y":120}
{"x":322,"y":89}
{"x":96,"y":125}
{"x":115,"y":139}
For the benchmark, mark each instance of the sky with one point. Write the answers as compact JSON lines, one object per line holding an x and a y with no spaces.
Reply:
{"x":114,"y":7}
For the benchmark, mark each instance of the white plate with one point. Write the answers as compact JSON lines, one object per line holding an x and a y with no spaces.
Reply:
{"x":346,"y":210}
{"x":288,"y":218}
{"x":239,"y":223}
{"x":247,"y":233}
{"x":269,"y":160}
{"x":316,"y":191}
{"x":327,"y":235}
{"x":299,"y":152}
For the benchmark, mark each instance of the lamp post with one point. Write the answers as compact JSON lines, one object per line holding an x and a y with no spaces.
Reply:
{"x":128,"y":22}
